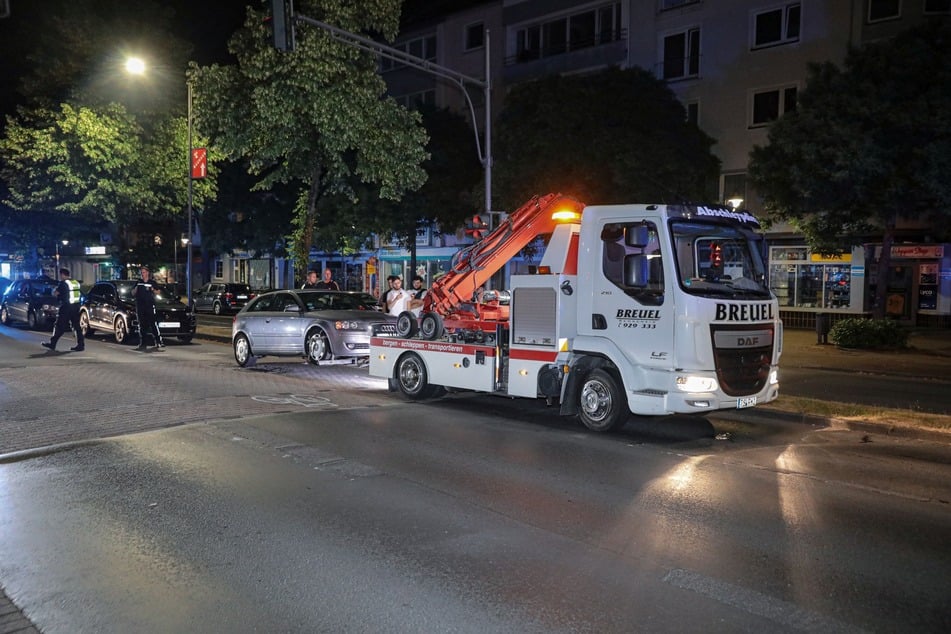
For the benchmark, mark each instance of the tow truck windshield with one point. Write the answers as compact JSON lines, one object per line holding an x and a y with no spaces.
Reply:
{"x":715,"y":260}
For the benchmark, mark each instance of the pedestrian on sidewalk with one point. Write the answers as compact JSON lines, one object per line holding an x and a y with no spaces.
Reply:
{"x":67,"y":292}
{"x":311,"y":281}
{"x":144,"y":294}
{"x":327,"y":283}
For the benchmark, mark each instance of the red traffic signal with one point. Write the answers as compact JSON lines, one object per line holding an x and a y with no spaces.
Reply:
{"x":476,"y":227}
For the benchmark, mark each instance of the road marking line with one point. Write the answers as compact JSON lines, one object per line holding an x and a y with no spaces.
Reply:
{"x":303,"y":400}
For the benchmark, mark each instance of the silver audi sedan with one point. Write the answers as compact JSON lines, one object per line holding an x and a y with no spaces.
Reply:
{"x":325,"y":327}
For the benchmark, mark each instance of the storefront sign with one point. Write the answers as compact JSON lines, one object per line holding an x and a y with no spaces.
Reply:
{"x":918,"y":251}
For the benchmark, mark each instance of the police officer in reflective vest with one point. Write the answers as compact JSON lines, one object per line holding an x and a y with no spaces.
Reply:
{"x":67,"y":292}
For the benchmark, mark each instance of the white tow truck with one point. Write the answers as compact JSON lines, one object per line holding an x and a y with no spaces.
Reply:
{"x":634,"y":309}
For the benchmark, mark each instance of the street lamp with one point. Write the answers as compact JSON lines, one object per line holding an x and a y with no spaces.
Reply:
{"x":735,"y":201}
{"x":135,"y":66}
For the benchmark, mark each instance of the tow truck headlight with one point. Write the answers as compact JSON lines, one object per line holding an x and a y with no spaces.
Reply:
{"x":696,"y":383}
{"x":349,"y":325}
{"x":774,"y":377}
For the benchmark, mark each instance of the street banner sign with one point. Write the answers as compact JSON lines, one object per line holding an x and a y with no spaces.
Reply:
{"x":199,"y":162}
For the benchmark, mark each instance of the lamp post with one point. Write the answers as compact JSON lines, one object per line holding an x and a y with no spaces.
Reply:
{"x":56,"y":272}
{"x":188,"y":163}
{"x":185,"y":242}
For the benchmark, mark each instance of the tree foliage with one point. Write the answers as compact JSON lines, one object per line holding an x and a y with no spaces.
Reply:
{"x":316,"y":117}
{"x":92,"y":144}
{"x":867,"y":145}
{"x":97,"y":162}
{"x":614,"y":136}
{"x":448,"y":196}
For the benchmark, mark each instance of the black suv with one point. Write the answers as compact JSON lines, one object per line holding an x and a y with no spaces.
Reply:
{"x":221,"y":297}
{"x":110,"y":306}
{"x":31,"y":302}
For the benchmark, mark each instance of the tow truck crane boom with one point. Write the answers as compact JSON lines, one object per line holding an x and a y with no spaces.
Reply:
{"x":475,"y":265}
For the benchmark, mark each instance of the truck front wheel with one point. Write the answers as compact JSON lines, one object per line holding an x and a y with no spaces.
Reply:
{"x":602,"y":403}
{"x":413,"y":379}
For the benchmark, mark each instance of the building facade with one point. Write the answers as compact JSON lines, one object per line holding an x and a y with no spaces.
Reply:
{"x":737,"y":66}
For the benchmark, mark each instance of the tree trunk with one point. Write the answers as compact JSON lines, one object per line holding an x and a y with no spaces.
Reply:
{"x":302,"y":248}
{"x":884,"y":268}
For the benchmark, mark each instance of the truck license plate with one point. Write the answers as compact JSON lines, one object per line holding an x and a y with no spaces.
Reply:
{"x":748,"y":401}
{"x":168,"y":324}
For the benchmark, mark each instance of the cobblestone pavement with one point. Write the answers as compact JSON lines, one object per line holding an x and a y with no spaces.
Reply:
{"x":89,"y":398}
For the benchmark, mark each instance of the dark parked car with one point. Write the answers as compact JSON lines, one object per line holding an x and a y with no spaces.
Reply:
{"x":219,"y":297}
{"x":30,"y":302}
{"x":109,"y":306}
{"x":323,"y":326}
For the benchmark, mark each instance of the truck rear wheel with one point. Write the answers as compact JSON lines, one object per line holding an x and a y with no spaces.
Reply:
{"x":602,"y":403}
{"x":413,"y":379}
{"x":431,"y":327}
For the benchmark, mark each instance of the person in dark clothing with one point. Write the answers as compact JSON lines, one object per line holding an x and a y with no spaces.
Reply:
{"x":328,"y":283}
{"x":67,"y":292}
{"x":144,"y":294}
{"x":311,"y":282}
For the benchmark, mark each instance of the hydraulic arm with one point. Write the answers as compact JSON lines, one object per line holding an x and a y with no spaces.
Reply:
{"x":476,"y":264}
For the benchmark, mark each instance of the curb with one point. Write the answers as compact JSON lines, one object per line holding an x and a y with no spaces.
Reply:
{"x":884,"y":429}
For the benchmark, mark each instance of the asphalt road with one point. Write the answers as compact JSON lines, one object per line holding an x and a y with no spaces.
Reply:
{"x":294,"y":498}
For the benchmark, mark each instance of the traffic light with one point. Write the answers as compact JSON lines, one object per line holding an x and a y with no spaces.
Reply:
{"x":282,"y":24}
{"x":476,"y":227}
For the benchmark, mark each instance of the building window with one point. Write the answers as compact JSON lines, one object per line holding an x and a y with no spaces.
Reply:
{"x":581,"y":30}
{"x":682,"y":54}
{"x":219,"y":269}
{"x":693,"y":113}
{"x":555,"y":37}
{"x":673,"y":4}
{"x":937,"y":6}
{"x":414,"y":100}
{"x":600,"y":25}
{"x":777,"y":26}
{"x":475,"y":36}
{"x":879,"y":10}
{"x":423,"y":47}
{"x":734,"y":189}
{"x":770,"y":105}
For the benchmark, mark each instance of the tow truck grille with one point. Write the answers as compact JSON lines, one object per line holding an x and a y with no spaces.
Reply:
{"x":742,"y":360}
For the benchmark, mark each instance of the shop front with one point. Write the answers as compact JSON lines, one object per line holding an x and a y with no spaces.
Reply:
{"x":918,"y":289}
{"x":807,"y":283}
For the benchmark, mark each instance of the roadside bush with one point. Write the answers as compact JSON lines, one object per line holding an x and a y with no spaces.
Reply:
{"x":868,"y":333}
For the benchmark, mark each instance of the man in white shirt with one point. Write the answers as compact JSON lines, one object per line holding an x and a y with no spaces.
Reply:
{"x":397,"y":299}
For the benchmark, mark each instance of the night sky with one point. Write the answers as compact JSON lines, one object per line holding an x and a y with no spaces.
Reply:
{"x":207,"y":24}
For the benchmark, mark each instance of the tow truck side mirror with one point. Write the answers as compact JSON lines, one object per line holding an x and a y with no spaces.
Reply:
{"x":637,"y":236}
{"x":636,"y":270}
